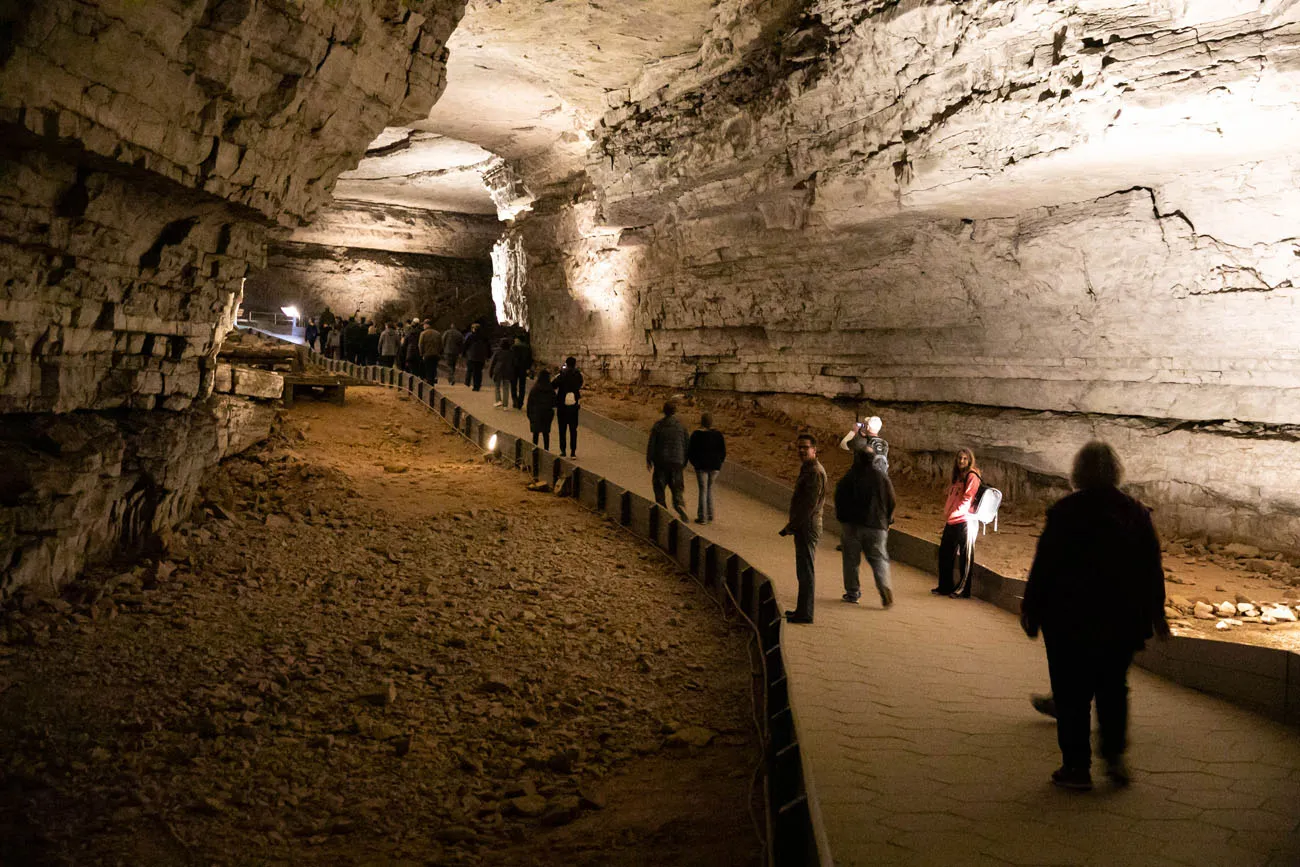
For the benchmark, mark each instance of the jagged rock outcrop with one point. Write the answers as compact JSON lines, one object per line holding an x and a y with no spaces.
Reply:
{"x":147,"y":146}
{"x":145,"y":151}
{"x":77,"y":488}
{"x":1073,"y":208}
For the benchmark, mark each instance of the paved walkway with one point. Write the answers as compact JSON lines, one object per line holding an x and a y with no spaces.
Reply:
{"x":921,"y":744}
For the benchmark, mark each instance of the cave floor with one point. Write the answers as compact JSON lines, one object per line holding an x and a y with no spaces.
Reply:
{"x":377,"y":648}
{"x":921,"y":746}
{"x":766,"y":444}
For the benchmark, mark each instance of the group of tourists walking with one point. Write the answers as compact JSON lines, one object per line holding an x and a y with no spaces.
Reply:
{"x":1098,"y":542}
{"x":669,"y":450}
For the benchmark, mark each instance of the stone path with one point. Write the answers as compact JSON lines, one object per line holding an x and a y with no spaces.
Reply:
{"x":921,"y":745}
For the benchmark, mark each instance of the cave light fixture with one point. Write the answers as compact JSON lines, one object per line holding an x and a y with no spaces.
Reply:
{"x":492,"y":443}
{"x":292,"y":312}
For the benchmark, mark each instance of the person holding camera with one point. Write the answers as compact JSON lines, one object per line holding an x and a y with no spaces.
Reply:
{"x":865,"y":437}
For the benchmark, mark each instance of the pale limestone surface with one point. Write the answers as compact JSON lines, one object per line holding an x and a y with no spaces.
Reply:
{"x":1081,"y":209}
{"x":374,"y":283}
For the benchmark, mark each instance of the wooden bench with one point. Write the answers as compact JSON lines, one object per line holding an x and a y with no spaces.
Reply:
{"x":331,"y":387}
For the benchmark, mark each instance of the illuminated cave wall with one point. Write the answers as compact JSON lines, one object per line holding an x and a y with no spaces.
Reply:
{"x":987,"y":219}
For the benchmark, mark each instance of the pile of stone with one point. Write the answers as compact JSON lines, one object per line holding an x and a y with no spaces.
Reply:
{"x":1231,"y":613}
{"x":1233,"y":555}
{"x":323,"y":676}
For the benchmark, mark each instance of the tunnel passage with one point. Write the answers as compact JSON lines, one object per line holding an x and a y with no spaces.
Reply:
{"x":1008,"y":226}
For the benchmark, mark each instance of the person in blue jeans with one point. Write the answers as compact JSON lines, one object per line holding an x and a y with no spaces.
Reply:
{"x":864,"y":506}
{"x":706,"y":452}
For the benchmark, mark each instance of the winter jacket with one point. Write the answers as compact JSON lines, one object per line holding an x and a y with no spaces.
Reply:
{"x":706,"y":450}
{"x":1097,"y":576}
{"x":430,"y":343}
{"x":311,"y":334}
{"x":477,"y":347}
{"x":568,"y":382}
{"x":411,"y":346}
{"x":523,"y":355}
{"x":668,"y":443}
{"x":865,"y":496}
{"x":808,"y":499}
{"x":502,"y":366}
{"x":452,"y":343}
{"x":540,"y":406}
{"x":389,"y":342}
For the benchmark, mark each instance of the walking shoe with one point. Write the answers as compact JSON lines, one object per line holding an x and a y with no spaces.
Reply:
{"x":796,"y":617}
{"x":1074,"y":779}
{"x":937,"y":592}
{"x":850,"y":597}
{"x":1118,"y":772}
{"x":681,"y":513}
{"x":1044,"y":704}
{"x":886,"y":598}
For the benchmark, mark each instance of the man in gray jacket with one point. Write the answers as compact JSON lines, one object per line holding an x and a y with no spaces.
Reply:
{"x":665,"y":457}
{"x":452,"y":343}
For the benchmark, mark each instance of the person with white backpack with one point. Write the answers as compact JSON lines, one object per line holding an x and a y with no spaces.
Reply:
{"x":568,"y":396}
{"x":960,"y":529}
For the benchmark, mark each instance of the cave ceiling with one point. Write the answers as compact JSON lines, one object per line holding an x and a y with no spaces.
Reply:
{"x":527,"y":80}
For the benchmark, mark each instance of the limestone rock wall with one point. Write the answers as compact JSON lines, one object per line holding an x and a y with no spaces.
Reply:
{"x":147,"y":148}
{"x":1085,"y":209}
{"x":373,"y":283}
{"x":78,"y":487}
{"x":398,"y":229}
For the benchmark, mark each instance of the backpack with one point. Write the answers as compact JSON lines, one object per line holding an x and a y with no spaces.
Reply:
{"x":987,"y":500}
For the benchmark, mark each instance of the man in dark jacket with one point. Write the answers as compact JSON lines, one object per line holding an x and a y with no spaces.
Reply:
{"x":411,"y":349}
{"x":452,"y":344}
{"x":523,"y":356}
{"x":864,"y":506}
{"x":477,"y":351}
{"x":568,"y":398}
{"x":805,"y":524}
{"x":706,"y":452}
{"x":1097,"y":591}
{"x":665,"y":457}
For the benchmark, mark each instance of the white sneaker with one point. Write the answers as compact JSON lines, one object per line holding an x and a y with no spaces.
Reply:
{"x":497,"y":403}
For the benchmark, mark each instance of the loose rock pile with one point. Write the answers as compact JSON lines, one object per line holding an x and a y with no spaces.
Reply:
{"x":1233,"y":612}
{"x":303,"y":676}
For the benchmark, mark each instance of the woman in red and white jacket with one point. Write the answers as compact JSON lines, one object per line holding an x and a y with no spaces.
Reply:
{"x":957,"y":545}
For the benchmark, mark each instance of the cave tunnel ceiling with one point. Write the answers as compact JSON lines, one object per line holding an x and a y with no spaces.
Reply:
{"x":527,"y":81}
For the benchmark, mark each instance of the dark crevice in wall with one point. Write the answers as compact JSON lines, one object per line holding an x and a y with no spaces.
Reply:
{"x":16,"y":141}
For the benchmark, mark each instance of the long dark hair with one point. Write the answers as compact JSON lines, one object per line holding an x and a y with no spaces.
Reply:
{"x":543,"y":380}
{"x":956,"y":465}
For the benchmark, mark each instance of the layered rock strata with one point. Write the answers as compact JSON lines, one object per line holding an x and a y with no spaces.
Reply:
{"x":76,"y":488}
{"x":1078,"y":209}
{"x":372,"y":283}
{"x":147,"y":148}
{"x":145,"y":151}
